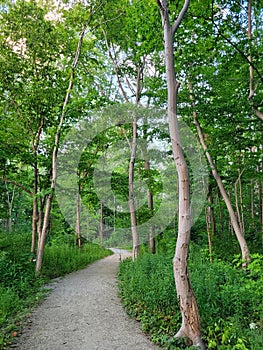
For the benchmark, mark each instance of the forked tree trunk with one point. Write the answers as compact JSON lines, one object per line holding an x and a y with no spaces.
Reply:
{"x":43,"y":231}
{"x":135,"y":234}
{"x":233,"y":219}
{"x":190,"y":327}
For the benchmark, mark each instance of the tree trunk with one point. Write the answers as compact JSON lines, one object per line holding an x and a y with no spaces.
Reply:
{"x":190,"y":327}
{"x":208,"y":229}
{"x":234,"y":222}
{"x":239,"y":202}
{"x":44,"y":229}
{"x":150,"y":206}
{"x":152,"y":230}
{"x":101,"y":224}
{"x":212,"y":211}
{"x":35,"y":213}
{"x":210,"y":222}
{"x":221,"y":216}
{"x":77,"y":227}
{"x":255,"y":109}
{"x":135,"y":234}
{"x":10,"y":200}
{"x":252,"y":207}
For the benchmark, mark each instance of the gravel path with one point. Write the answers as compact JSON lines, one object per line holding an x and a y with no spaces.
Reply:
{"x":83,"y":312}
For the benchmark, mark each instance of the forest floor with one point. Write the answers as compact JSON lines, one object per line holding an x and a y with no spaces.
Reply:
{"x":84,"y":312}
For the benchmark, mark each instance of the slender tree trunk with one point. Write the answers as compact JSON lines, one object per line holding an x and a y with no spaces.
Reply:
{"x":77,"y":227}
{"x":260,"y":203}
{"x":152,"y":229}
{"x":237,"y":207}
{"x":10,"y":200}
{"x":44,"y":230}
{"x":234,"y":222}
{"x":239,"y":202}
{"x":208,"y":230}
{"x":35,"y":214}
{"x":255,"y":109}
{"x":210,"y":222}
{"x":135,"y":235}
{"x":150,"y":207}
{"x":252,"y":204}
{"x":212,"y":212}
{"x":190,"y":327}
{"x":101,"y":224}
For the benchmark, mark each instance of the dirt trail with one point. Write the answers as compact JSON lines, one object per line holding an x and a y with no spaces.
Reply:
{"x":83,"y":312}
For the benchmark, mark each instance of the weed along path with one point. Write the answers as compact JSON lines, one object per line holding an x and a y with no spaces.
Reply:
{"x":83,"y":312}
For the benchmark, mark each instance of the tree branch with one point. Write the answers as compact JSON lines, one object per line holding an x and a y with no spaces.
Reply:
{"x":17,"y":185}
{"x":115,"y":67}
{"x":240,"y":51}
{"x":258,"y":113}
{"x":178,"y":21}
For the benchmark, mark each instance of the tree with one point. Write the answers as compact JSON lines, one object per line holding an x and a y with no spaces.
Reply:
{"x":190,"y":315}
{"x":44,"y":229}
{"x":234,"y":220}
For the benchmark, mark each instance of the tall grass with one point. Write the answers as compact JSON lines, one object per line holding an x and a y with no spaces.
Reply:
{"x":62,"y":259}
{"x":230,"y":300}
{"x":20,"y":289}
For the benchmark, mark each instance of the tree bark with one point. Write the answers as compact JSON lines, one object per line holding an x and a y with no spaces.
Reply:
{"x":44,"y":229}
{"x":190,"y":327}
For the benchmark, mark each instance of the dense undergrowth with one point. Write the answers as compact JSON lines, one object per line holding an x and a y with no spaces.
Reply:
{"x":229,"y":299}
{"x":20,"y":289}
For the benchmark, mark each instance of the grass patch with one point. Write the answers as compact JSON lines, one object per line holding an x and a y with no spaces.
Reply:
{"x":20,"y":289}
{"x":230,"y":300}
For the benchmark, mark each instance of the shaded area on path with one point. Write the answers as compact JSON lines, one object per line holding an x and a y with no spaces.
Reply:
{"x":84,"y":312}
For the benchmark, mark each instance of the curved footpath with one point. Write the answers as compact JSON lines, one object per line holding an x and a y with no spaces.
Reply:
{"x":83,"y":312}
